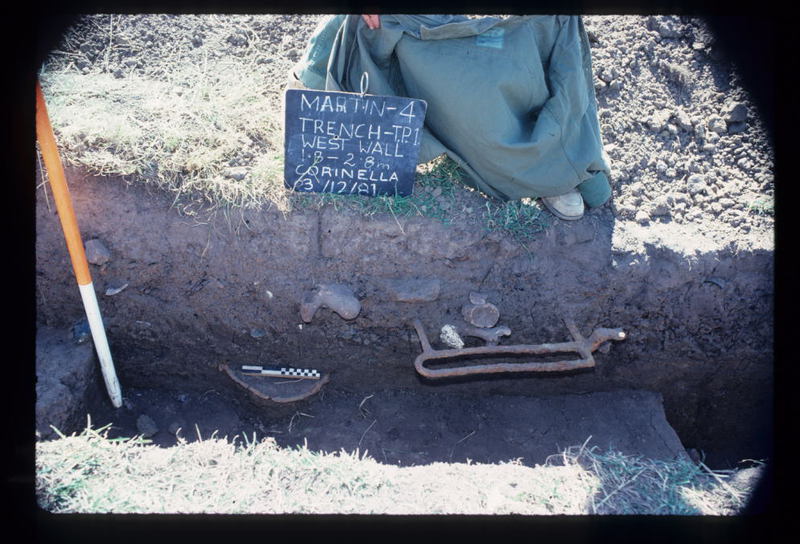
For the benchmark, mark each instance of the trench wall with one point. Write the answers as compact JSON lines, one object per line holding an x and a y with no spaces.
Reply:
{"x":698,"y":312}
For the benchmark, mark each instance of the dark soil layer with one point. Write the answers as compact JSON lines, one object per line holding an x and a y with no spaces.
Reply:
{"x":698,"y":317}
{"x":411,"y":427}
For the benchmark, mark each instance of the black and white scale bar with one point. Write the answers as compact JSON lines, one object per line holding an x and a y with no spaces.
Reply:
{"x":305,"y":373}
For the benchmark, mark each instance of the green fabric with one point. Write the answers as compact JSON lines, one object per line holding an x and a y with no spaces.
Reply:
{"x":596,"y":190}
{"x":510,"y":100}
{"x":313,"y":67}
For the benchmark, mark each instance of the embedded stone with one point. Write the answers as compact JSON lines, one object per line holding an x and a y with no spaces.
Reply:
{"x":449,"y":335}
{"x":337,"y":297}
{"x":697,"y":183}
{"x":146,"y":426}
{"x":717,"y":124}
{"x":96,"y":252}
{"x":413,"y":290}
{"x":735,"y":112}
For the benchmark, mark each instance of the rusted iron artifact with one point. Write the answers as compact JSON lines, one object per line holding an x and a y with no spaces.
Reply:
{"x":583,"y":346}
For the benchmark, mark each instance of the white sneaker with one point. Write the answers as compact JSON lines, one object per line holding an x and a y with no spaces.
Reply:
{"x":568,"y":206}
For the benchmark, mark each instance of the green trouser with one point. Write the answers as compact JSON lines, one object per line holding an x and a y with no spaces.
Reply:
{"x":511,"y":101}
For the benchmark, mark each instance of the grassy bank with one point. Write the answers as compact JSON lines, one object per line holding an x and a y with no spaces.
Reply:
{"x":88,"y":472}
{"x":204,"y":124}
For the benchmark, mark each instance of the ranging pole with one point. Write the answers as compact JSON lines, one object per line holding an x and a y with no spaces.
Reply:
{"x":69,"y":224}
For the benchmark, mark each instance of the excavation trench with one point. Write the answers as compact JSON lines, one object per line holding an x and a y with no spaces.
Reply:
{"x":187,"y":300}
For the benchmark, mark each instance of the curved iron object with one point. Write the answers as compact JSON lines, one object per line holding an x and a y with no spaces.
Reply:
{"x":583,"y":346}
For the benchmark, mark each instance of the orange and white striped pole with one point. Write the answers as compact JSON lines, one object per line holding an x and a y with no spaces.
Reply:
{"x":77,"y":252}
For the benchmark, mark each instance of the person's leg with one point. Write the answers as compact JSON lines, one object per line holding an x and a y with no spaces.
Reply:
{"x":311,"y":70}
{"x":593,"y":192}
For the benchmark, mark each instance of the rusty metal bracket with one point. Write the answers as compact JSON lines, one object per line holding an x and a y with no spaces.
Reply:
{"x":583,"y":346}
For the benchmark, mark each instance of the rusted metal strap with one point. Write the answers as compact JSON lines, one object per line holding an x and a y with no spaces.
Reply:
{"x":583,"y":346}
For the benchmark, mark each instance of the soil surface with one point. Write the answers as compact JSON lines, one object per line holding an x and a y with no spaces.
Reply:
{"x":402,"y":427}
{"x":681,"y":259}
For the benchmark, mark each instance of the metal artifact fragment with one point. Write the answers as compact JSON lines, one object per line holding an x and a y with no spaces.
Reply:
{"x":583,"y":346}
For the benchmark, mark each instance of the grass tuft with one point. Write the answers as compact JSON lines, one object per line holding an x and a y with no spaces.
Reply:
{"x":522,"y":219}
{"x":762,"y":206}
{"x":634,"y":485}
{"x":90,"y":473}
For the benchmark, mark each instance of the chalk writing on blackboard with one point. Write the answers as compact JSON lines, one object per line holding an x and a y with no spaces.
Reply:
{"x":351,"y":143}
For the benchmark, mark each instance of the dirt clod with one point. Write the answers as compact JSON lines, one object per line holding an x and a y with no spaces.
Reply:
{"x":96,"y":252}
{"x":146,"y":426}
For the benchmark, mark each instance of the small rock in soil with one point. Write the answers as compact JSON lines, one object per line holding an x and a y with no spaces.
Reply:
{"x":667,"y":27}
{"x":717,"y":124}
{"x":176,"y":426}
{"x":96,"y":252}
{"x":337,"y":297}
{"x":658,"y":121}
{"x":696,"y":183}
{"x":449,"y":335}
{"x":735,"y":112}
{"x":237,"y":39}
{"x":146,"y":426}
{"x":238,"y":173}
{"x":115,"y":289}
{"x":81,"y":332}
{"x":480,"y":313}
{"x":412,"y":290}
{"x":661,"y":206}
{"x":683,"y":119}
{"x":736,"y":128}
{"x":726,"y":203}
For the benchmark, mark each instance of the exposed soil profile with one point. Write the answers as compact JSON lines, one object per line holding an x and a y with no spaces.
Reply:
{"x":199,"y":295}
{"x":681,"y":260}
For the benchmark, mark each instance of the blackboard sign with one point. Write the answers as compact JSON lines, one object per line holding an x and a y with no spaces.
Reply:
{"x":351,"y":143}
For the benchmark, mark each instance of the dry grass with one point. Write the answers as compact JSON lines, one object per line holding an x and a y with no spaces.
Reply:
{"x":89,"y":472}
{"x":180,"y":137}
{"x":206,"y":126}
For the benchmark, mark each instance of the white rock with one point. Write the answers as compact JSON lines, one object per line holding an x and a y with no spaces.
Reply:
{"x":449,"y":335}
{"x":717,"y":124}
{"x":683,"y":119}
